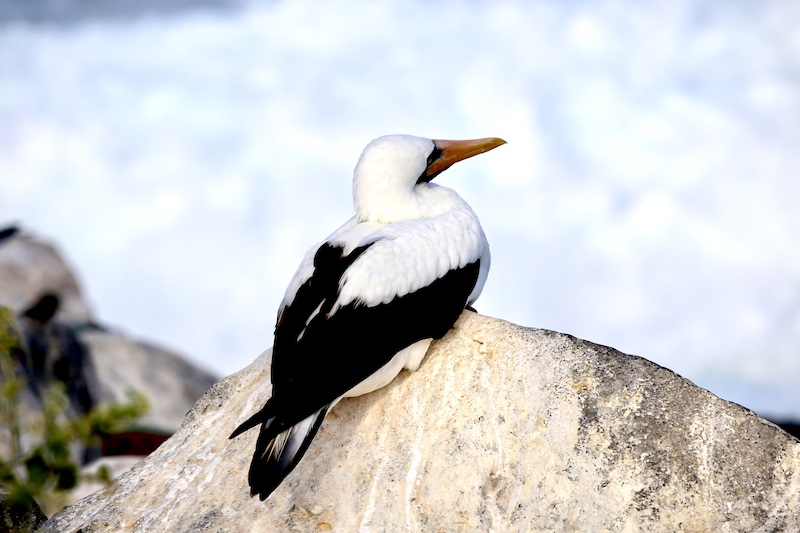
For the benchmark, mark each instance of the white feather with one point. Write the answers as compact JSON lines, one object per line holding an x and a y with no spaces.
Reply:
{"x":410,"y":255}
{"x":418,"y":231}
{"x":384,"y":178}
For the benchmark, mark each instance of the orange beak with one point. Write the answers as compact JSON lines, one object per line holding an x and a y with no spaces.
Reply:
{"x":447,"y":153}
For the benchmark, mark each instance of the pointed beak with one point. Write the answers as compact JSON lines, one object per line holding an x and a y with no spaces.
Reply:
{"x":447,"y":153}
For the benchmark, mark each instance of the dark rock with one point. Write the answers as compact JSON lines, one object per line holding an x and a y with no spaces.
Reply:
{"x":19,"y":518}
{"x":7,"y":233}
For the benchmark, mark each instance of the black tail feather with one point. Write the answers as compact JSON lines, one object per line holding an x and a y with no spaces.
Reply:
{"x":261,"y":417}
{"x":278,"y":452}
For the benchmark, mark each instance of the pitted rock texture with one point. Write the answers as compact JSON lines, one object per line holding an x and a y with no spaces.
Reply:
{"x":502,"y":428}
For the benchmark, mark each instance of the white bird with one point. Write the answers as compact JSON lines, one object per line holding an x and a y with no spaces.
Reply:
{"x":368,"y":300}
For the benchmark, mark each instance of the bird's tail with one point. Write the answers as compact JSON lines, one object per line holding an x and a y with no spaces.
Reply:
{"x":278,"y":449}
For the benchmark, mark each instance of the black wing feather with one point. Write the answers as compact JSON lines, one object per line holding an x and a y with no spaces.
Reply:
{"x":315,"y":362}
{"x":338,"y":352}
{"x":266,"y":473}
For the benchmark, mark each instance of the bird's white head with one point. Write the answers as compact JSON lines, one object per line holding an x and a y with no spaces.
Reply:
{"x":391,"y":178}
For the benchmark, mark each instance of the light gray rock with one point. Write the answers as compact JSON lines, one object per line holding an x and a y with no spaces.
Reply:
{"x":89,"y":483}
{"x":30,"y":268}
{"x":502,"y":428}
{"x":171,"y":383}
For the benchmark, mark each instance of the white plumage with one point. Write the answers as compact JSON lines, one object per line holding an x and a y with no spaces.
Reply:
{"x":367,"y":301}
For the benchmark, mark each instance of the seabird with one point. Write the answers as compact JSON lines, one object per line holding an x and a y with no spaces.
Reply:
{"x":367,"y":301}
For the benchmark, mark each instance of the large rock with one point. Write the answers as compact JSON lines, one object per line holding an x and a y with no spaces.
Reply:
{"x":171,"y":383}
{"x":110,"y":363}
{"x":30,"y":268}
{"x":62,"y":342}
{"x":503,"y":428}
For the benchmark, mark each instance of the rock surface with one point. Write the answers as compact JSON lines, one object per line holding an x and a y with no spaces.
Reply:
{"x":171,"y":383}
{"x":14,"y":519}
{"x":31,"y":267}
{"x":62,"y":342}
{"x":502,"y":428}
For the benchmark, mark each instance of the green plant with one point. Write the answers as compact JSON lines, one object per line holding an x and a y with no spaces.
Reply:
{"x":36,"y":449}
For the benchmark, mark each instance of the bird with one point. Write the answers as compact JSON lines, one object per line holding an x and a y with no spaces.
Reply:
{"x":367,"y":302}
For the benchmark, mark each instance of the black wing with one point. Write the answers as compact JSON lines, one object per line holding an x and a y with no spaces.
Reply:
{"x":317,"y":358}
{"x":315,"y":364}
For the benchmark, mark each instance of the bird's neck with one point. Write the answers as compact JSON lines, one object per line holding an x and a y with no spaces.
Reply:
{"x":423,"y":201}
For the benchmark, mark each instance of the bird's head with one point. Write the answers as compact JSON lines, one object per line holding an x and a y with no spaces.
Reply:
{"x":393,"y":170}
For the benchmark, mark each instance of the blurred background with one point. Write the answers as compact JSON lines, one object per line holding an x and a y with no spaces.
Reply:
{"x":185,"y":155}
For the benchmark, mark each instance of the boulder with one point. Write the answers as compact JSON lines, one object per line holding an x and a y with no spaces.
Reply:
{"x":101,"y":365}
{"x":61,"y":342}
{"x":503,"y":428}
{"x":170,"y":382}
{"x":31,"y":268}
